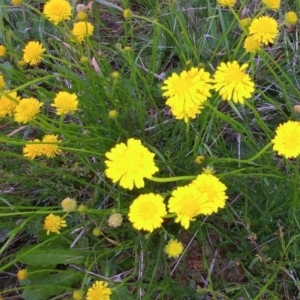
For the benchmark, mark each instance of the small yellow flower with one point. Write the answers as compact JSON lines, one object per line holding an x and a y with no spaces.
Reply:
{"x":264,"y":29}
{"x":127,"y":48}
{"x":115,"y":74}
{"x":229,"y":3}
{"x":115,"y":220}
{"x":147,"y":212}
{"x":174,"y":248}
{"x":78,"y":295}
{"x":2,"y":82}
{"x":57,"y":11}
{"x":33,"y":53}
{"x":97,"y":231}
{"x":33,"y":149}
{"x":113,"y":114}
{"x":272,"y":4}
{"x":82,"y":15}
{"x":65,"y":103}
{"x":82,"y":209}
{"x":199,"y":159}
{"x":54,"y":223}
{"x":233,"y":83}
{"x":287,"y":139}
{"x":99,"y":291}
{"x":81,"y":30}
{"x":22,"y":274}
{"x":251,"y":44}
{"x":27,"y":109}
{"x":69,"y":204}
{"x":127,"y":14}
{"x":2,"y":51}
{"x":50,"y":145}
{"x":8,"y":103}
{"x":130,"y":164}
{"x":291,"y":18}
{"x":17,"y":2}
{"x":84,"y":59}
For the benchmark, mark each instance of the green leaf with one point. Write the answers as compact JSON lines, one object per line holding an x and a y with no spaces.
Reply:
{"x":49,"y":256}
{"x":51,"y":285}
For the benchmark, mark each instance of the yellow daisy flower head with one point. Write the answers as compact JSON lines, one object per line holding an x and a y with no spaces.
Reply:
{"x":233,"y":83}
{"x":174,"y":248}
{"x":22,"y":274}
{"x":78,"y":295}
{"x":186,"y":92}
{"x":213,"y":190}
{"x":272,"y":4}
{"x":291,"y":18}
{"x":99,"y":291}
{"x":33,"y":149}
{"x":229,"y":3}
{"x":27,"y":109}
{"x":81,"y":30}
{"x":115,"y":220}
{"x":65,"y":103}
{"x":57,"y":11}
{"x":147,"y":212}
{"x":130,"y":164}
{"x":112,"y":114}
{"x":251,"y":44}
{"x":115,"y":74}
{"x":51,"y":149}
{"x":69,"y":204}
{"x":186,"y":203}
{"x":8,"y":103}
{"x":2,"y":82}
{"x":97,"y":231}
{"x":16,"y":2}
{"x":81,"y":16}
{"x":54,"y":223}
{"x":2,"y":51}
{"x":287,"y":139}
{"x":127,"y":14}
{"x":33,"y":53}
{"x":264,"y":29}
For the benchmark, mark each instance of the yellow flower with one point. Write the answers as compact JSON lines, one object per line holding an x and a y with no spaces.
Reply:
{"x":65,"y":103}
{"x":16,"y":2}
{"x":186,"y":92}
{"x":251,"y":44}
{"x":130,"y":164}
{"x":186,"y":203}
{"x":174,"y":248}
{"x":115,"y":74}
{"x":22,"y":274}
{"x":232,"y":82}
{"x":127,"y":14}
{"x":84,"y":59}
{"x":82,"y":209}
{"x":213,"y":190}
{"x":54,"y":223}
{"x":82,"y":30}
{"x":33,"y":149}
{"x":113,"y":114}
{"x":99,"y":291}
{"x":78,"y":295}
{"x":287,"y":139}
{"x":2,"y":82}
{"x":199,"y":159}
{"x":291,"y":18}
{"x":8,"y":103}
{"x":51,"y":149}
{"x":33,"y":53}
{"x":2,"y":50}
{"x":82,"y":15}
{"x":229,"y":3}
{"x":127,"y":48}
{"x":97,"y":231}
{"x":57,"y":11}
{"x":69,"y":205}
{"x":115,"y":220}
{"x":27,"y":109}
{"x":272,"y":4}
{"x":147,"y":212}
{"x":264,"y":29}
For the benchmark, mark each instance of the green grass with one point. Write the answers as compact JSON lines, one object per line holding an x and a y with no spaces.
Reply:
{"x":248,"y":250}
